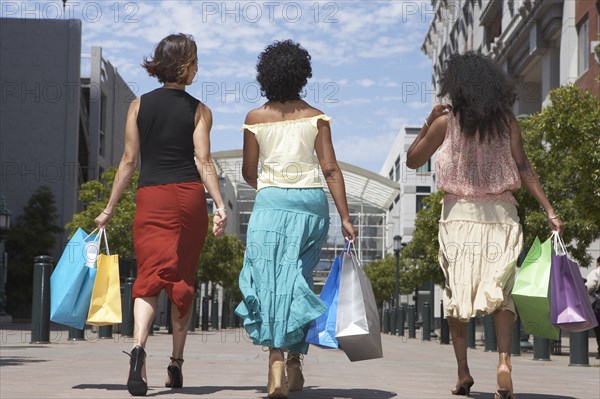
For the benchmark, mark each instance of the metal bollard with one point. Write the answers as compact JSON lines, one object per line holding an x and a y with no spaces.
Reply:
{"x":76,"y":334}
{"x":393,"y":321}
{"x":471,"y":333}
{"x":105,"y":332}
{"x":40,"y":303}
{"x":444,"y":327}
{"x":214,"y":314}
{"x":412,"y":333}
{"x":225,"y":312}
{"x":386,"y":321}
{"x":127,"y":308}
{"x":400,"y":320}
{"x":489,"y":334}
{"x":426,"y":331}
{"x":541,"y":349}
{"x":578,"y":349}
{"x":194,"y":315}
{"x":204,"y":314}
{"x":516,"y":338}
{"x":169,"y":317}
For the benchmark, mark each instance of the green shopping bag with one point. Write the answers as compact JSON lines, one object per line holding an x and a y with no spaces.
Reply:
{"x":531,"y":291}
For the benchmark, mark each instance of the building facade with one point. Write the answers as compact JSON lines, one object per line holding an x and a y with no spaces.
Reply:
{"x":62,"y":113}
{"x":541,"y":44}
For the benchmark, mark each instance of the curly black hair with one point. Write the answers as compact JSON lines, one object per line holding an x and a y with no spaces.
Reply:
{"x":283,"y":69}
{"x":481,"y":94}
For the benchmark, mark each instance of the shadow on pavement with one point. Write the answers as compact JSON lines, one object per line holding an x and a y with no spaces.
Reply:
{"x":521,"y":395}
{"x":18,"y":360}
{"x":307,"y":393}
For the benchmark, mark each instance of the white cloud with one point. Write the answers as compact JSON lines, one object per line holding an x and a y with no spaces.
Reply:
{"x":365,"y":82}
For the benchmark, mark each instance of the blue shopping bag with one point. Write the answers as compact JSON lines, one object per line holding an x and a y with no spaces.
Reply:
{"x":72,"y":281}
{"x":323,"y":329}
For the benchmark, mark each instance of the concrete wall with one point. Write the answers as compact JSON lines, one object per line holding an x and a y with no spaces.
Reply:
{"x":39,"y":113}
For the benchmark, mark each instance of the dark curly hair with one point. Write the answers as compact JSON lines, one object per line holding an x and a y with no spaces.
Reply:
{"x":283,"y":70}
{"x":172,"y":59}
{"x":482,"y":95}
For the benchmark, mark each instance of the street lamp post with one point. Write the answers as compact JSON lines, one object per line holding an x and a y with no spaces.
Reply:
{"x":4,"y":227}
{"x":397,"y":248}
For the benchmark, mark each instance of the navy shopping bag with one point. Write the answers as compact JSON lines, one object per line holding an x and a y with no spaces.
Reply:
{"x":72,"y":281}
{"x":323,"y":329}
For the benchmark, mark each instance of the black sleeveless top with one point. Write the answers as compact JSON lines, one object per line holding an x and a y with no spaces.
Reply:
{"x":166,"y":124}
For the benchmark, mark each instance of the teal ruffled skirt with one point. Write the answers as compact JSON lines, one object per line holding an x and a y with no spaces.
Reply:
{"x":286,"y":231}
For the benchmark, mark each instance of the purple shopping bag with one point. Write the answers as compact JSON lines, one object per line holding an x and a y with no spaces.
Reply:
{"x":570,"y":307}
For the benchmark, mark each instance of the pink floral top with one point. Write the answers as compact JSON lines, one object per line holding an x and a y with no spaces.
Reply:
{"x":469,"y":169}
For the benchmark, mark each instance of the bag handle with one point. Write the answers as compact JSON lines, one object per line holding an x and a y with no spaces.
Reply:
{"x":89,"y":235}
{"x":103,"y":233}
{"x":354,"y":253}
{"x":559,"y":245}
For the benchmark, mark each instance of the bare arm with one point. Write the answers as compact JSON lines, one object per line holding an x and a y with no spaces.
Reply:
{"x":127,"y":165}
{"x":206,"y":167}
{"x":333,"y":177}
{"x":529,"y":178}
{"x":429,"y":139}
{"x":250,"y":160}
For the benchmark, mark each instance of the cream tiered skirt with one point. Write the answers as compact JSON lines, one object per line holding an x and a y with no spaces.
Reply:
{"x":480,"y":242}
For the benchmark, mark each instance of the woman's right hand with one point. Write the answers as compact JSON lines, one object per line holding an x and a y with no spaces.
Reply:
{"x":556,"y":224}
{"x":348,"y":230}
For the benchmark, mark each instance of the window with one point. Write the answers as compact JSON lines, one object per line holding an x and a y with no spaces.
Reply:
{"x":420,"y":203}
{"x":583,"y":51}
{"x":397,"y":169}
{"x":391,"y":175}
{"x":425,"y":168}
{"x":423,"y":189}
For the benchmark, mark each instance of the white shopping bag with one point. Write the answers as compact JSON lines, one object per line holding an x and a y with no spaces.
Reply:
{"x":358,"y":333}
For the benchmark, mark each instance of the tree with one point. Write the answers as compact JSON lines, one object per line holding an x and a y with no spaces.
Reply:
{"x":381,"y":272}
{"x":419,"y":259}
{"x":563,"y":145}
{"x":33,"y":233}
{"x":221,"y":260}
{"x":94,"y":195}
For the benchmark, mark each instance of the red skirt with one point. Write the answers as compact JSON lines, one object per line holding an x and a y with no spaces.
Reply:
{"x":169,"y":229}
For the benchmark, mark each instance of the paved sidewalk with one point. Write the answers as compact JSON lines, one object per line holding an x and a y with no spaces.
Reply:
{"x":224,"y":364}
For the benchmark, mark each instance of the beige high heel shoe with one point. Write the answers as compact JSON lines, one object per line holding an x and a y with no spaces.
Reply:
{"x":277,"y":385}
{"x":294,"y":371}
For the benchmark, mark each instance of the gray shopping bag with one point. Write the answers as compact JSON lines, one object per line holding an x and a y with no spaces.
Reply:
{"x":357,"y":317}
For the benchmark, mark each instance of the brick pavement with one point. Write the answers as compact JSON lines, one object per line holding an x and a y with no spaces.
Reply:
{"x":223,"y":364}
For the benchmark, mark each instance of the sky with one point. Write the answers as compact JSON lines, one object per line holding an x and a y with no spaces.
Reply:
{"x":369,"y":73}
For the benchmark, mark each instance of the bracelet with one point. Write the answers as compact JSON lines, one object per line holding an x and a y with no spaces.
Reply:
{"x":106,"y":213}
{"x":554,"y":217}
{"x":426,"y":124}
{"x":220,"y":210}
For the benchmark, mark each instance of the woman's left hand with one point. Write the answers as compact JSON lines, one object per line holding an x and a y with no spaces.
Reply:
{"x":437,"y":111}
{"x":219,"y":222}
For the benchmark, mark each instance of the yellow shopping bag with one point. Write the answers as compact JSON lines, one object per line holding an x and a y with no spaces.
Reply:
{"x":105,"y":307}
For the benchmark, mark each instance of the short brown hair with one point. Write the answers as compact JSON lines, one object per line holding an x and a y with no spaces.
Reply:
{"x":172,"y":59}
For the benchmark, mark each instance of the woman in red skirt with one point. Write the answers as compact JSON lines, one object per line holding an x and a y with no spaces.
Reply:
{"x":169,"y":130}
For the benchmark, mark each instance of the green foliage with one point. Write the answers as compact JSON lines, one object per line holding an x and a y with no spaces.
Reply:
{"x":94,"y":195}
{"x":381,"y":272}
{"x":221,"y":260}
{"x":563,"y":145}
{"x":419,"y":259}
{"x":32,"y":234}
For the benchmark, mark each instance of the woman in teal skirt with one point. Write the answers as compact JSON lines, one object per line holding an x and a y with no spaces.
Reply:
{"x":290,"y":219}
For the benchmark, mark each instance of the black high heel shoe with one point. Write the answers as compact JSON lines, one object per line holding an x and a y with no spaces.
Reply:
{"x":175,"y":375}
{"x":135,"y":384}
{"x":463,"y":389}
